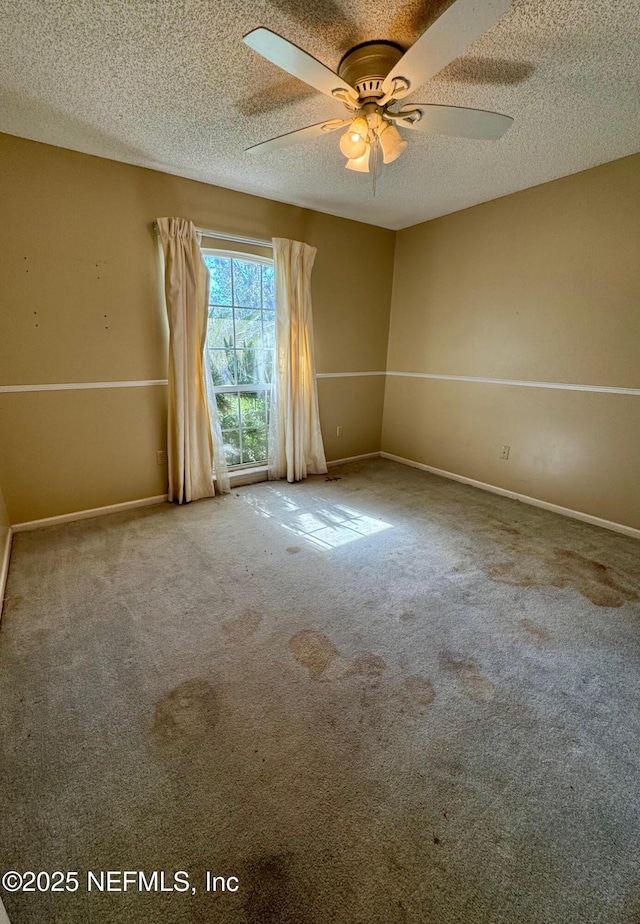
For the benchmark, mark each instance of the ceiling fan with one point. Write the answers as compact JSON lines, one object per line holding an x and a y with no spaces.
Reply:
{"x":374,"y":77}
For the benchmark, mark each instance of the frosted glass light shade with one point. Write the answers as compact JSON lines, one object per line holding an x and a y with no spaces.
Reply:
{"x":361,"y":164}
{"x":353,"y":142}
{"x":391,"y":142}
{"x":352,"y":145}
{"x":359,"y":127}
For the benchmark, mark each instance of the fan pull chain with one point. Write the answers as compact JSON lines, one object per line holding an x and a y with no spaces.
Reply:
{"x":375,"y":167}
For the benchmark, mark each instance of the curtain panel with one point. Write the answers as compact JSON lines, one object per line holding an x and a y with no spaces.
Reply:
{"x":295,"y":439}
{"x":190,"y":445}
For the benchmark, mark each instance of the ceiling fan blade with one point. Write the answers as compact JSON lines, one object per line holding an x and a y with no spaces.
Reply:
{"x":456,"y":121}
{"x":295,"y":61}
{"x":449,"y":36}
{"x":301,"y":134}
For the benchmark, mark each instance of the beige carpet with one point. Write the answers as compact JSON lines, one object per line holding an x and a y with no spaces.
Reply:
{"x":383,"y":697}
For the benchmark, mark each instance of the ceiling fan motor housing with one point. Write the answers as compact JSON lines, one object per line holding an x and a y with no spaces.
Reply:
{"x":365,"y":67}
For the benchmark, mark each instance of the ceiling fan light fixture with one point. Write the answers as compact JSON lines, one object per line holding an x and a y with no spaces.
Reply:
{"x":352,"y":145}
{"x":360,"y":126}
{"x":374,"y":75}
{"x":354,"y":141}
{"x":391,"y":142}
{"x":361,"y":164}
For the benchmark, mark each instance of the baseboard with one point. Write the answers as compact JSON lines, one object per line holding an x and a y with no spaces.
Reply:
{"x":523,"y":498}
{"x":4,"y":573}
{"x":88,"y":514}
{"x":241,"y":479}
{"x":366,"y":455}
{"x":238,"y":479}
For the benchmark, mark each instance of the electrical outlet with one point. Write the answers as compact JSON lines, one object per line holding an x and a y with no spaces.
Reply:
{"x":338,"y":431}
{"x":161,"y":456}
{"x":504,"y":452}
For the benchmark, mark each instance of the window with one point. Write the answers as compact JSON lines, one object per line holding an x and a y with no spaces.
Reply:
{"x":240,"y":340}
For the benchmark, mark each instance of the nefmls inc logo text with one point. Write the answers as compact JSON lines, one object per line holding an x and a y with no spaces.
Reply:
{"x":155,"y":881}
{"x":113,"y":880}
{"x":116,"y":880}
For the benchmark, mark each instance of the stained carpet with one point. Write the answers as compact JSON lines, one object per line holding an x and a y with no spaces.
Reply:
{"x":383,"y":697}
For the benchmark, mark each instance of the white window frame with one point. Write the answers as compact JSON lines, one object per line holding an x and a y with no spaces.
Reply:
{"x":239,"y":389}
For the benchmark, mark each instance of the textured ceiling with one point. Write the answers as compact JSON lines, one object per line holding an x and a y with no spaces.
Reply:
{"x":168,"y":84}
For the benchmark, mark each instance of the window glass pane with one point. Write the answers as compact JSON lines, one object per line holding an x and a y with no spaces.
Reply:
{"x":248,"y":328}
{"x":219,"y":280}
{"x":268,"y":329}
{"x":220,"y":328}
{"x":223,"y":367}
{"x":255,"y":367}
{"x":268,"y":287}
{"x":216,"y":311}
{"x":250,"y":367}
{"x":254,"y":445}
{"x":232,"y":446}
{"x":240,"y":342}
{"x":253,"y":410}
{"x":265,"y":365}
{"x":228,"y":410}
{"x":246,"y":284}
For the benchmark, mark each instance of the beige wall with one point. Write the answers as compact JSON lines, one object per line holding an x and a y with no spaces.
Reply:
{"x":4,"y":548}
{"x":80,"y":302}
{"x":4,"y":531}
{"x":540,"y":286}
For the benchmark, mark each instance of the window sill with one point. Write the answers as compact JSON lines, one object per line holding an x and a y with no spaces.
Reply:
{"x":251,"y":475}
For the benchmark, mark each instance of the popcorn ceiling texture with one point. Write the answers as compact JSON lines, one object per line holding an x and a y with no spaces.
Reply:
{"x":170,"y":85}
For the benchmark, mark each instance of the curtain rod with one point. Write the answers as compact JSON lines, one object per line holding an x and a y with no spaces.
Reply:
{"x":233,"y":237}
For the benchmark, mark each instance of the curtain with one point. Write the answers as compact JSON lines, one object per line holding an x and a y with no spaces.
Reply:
{"x":295,"y":440}
{"x":190,"y":444}
{"x":220,"y":468}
